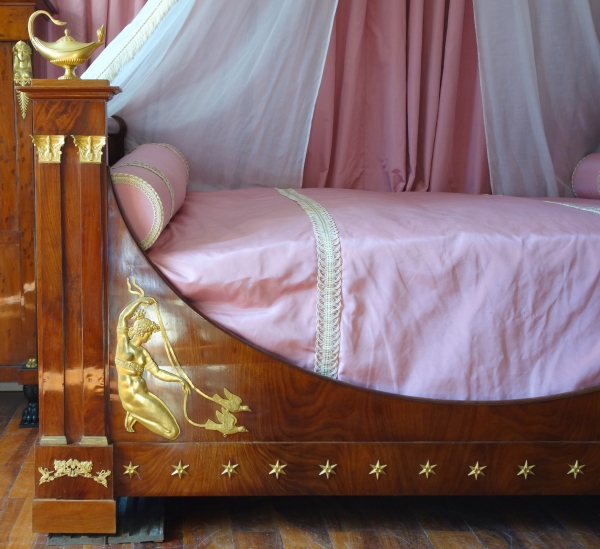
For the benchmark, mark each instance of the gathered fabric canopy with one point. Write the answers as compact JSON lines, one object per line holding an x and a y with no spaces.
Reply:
{"x":389,"y":91}
{"x":232,"y":84}
{"x":400,"y":104}
{"x":540,"y":74}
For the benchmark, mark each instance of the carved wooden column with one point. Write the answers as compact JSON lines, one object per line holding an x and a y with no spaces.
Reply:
{"x":69,"y":133}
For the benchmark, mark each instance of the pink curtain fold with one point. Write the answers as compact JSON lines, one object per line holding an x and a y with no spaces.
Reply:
{"x":83,"y":18}
{"x":399,"y":108}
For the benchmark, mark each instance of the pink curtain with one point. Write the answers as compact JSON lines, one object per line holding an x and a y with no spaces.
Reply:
{"x":83,"y":18}
{"x":399,"y":108}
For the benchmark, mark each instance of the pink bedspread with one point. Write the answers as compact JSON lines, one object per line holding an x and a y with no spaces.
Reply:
{"x":444,"y":295}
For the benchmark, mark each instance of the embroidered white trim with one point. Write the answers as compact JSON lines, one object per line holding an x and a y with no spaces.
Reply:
{"x":583,"y":208}
{"x":157,"y":172}
{"x":139,"y":36}
{"x":329,"y":283}
{"x":152,"y":195}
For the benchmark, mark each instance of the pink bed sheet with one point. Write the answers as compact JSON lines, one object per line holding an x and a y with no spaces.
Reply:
{"x":444,"y":296}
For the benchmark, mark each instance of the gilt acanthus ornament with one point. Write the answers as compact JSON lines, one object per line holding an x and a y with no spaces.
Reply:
{"x":73,"y":468}
{"x":89,"y":148}
{"x":49,"y":148}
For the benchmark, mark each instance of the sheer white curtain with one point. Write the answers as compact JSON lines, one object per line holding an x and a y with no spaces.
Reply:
{"x":540,"y":77}
{"x":231,"y":83}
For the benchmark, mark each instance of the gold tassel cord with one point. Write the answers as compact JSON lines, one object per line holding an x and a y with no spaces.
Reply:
{"x":173,"y":358}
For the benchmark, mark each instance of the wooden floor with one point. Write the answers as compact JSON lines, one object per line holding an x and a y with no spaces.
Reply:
{"x":298,"y":523}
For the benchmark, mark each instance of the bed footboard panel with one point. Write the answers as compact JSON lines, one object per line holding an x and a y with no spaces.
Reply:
{"x":379,"y":469}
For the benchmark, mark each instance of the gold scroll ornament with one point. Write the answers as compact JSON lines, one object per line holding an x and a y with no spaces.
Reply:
{"x":22,"y":72}
{"x":66,"y":52}
{"x":73,"y":468}
{"x":132,"y":359}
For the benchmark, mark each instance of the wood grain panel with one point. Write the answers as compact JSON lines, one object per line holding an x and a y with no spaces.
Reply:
{"x":291,"y":404}
{"x":8,"y":373}
{"x":14,"y":23}
{"x":26,"y":186}
{"x":16,"y":185}
{"x":9,"y":220}
{"x":75,"y":338}
{"x":50,"y":306}
{"x":398,"y":522}
{"x":10,"y":304}
{"x":74,"y":517}
{"x":16,"y":222}
{"x":72,"y":108}
{"x":93,"y":194}
{"x":27,"y":376}
{"x":76,"y":487}
{"x":354,"y":462}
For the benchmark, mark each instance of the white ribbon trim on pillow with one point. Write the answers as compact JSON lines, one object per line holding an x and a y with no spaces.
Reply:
{"x":329,"y":283}
{"x":139,"y":35}
{"x":152,"y":195}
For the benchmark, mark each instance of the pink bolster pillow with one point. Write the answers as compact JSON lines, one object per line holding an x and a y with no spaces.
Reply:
{"x":150,"y":183}
{"x":586,"y":177}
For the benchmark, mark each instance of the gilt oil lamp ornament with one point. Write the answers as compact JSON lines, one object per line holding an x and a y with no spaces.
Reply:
{"x":66,"y":52}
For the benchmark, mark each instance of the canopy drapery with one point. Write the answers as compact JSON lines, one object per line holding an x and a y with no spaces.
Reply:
{"x":400,"y":104}
{"x":232,"y":84}
{"x":540,"y":72}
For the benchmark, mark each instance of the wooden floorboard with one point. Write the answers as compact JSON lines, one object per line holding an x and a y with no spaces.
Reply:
{"x":9,"y":402}
{"x":306,"y":523}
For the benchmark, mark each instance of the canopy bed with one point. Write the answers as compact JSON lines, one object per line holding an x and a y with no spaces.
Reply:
{"x":196,"y":409}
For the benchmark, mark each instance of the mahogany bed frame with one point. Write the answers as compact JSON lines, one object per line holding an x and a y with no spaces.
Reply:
{"x":333,"y":438}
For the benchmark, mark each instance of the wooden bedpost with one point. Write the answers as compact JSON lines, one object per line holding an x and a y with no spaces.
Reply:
{"x":73,"y":460}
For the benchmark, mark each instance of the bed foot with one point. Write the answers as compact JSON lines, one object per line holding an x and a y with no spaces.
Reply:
{"x":30,"y":417}
{"x":27,"y":376}
{"x":139,"y":520}
{"x":74,"y":516}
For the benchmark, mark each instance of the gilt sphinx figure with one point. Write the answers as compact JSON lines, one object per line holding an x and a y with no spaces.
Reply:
{"x":22,"y":72}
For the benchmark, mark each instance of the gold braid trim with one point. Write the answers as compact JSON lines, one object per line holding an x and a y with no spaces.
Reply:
{"x":152,"y":195}
{"x":178,"y":153}
{"x":157,"y":172}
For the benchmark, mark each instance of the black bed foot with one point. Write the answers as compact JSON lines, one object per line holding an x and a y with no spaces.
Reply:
{"x":139,"y":520}
{"x":30,"y":416}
